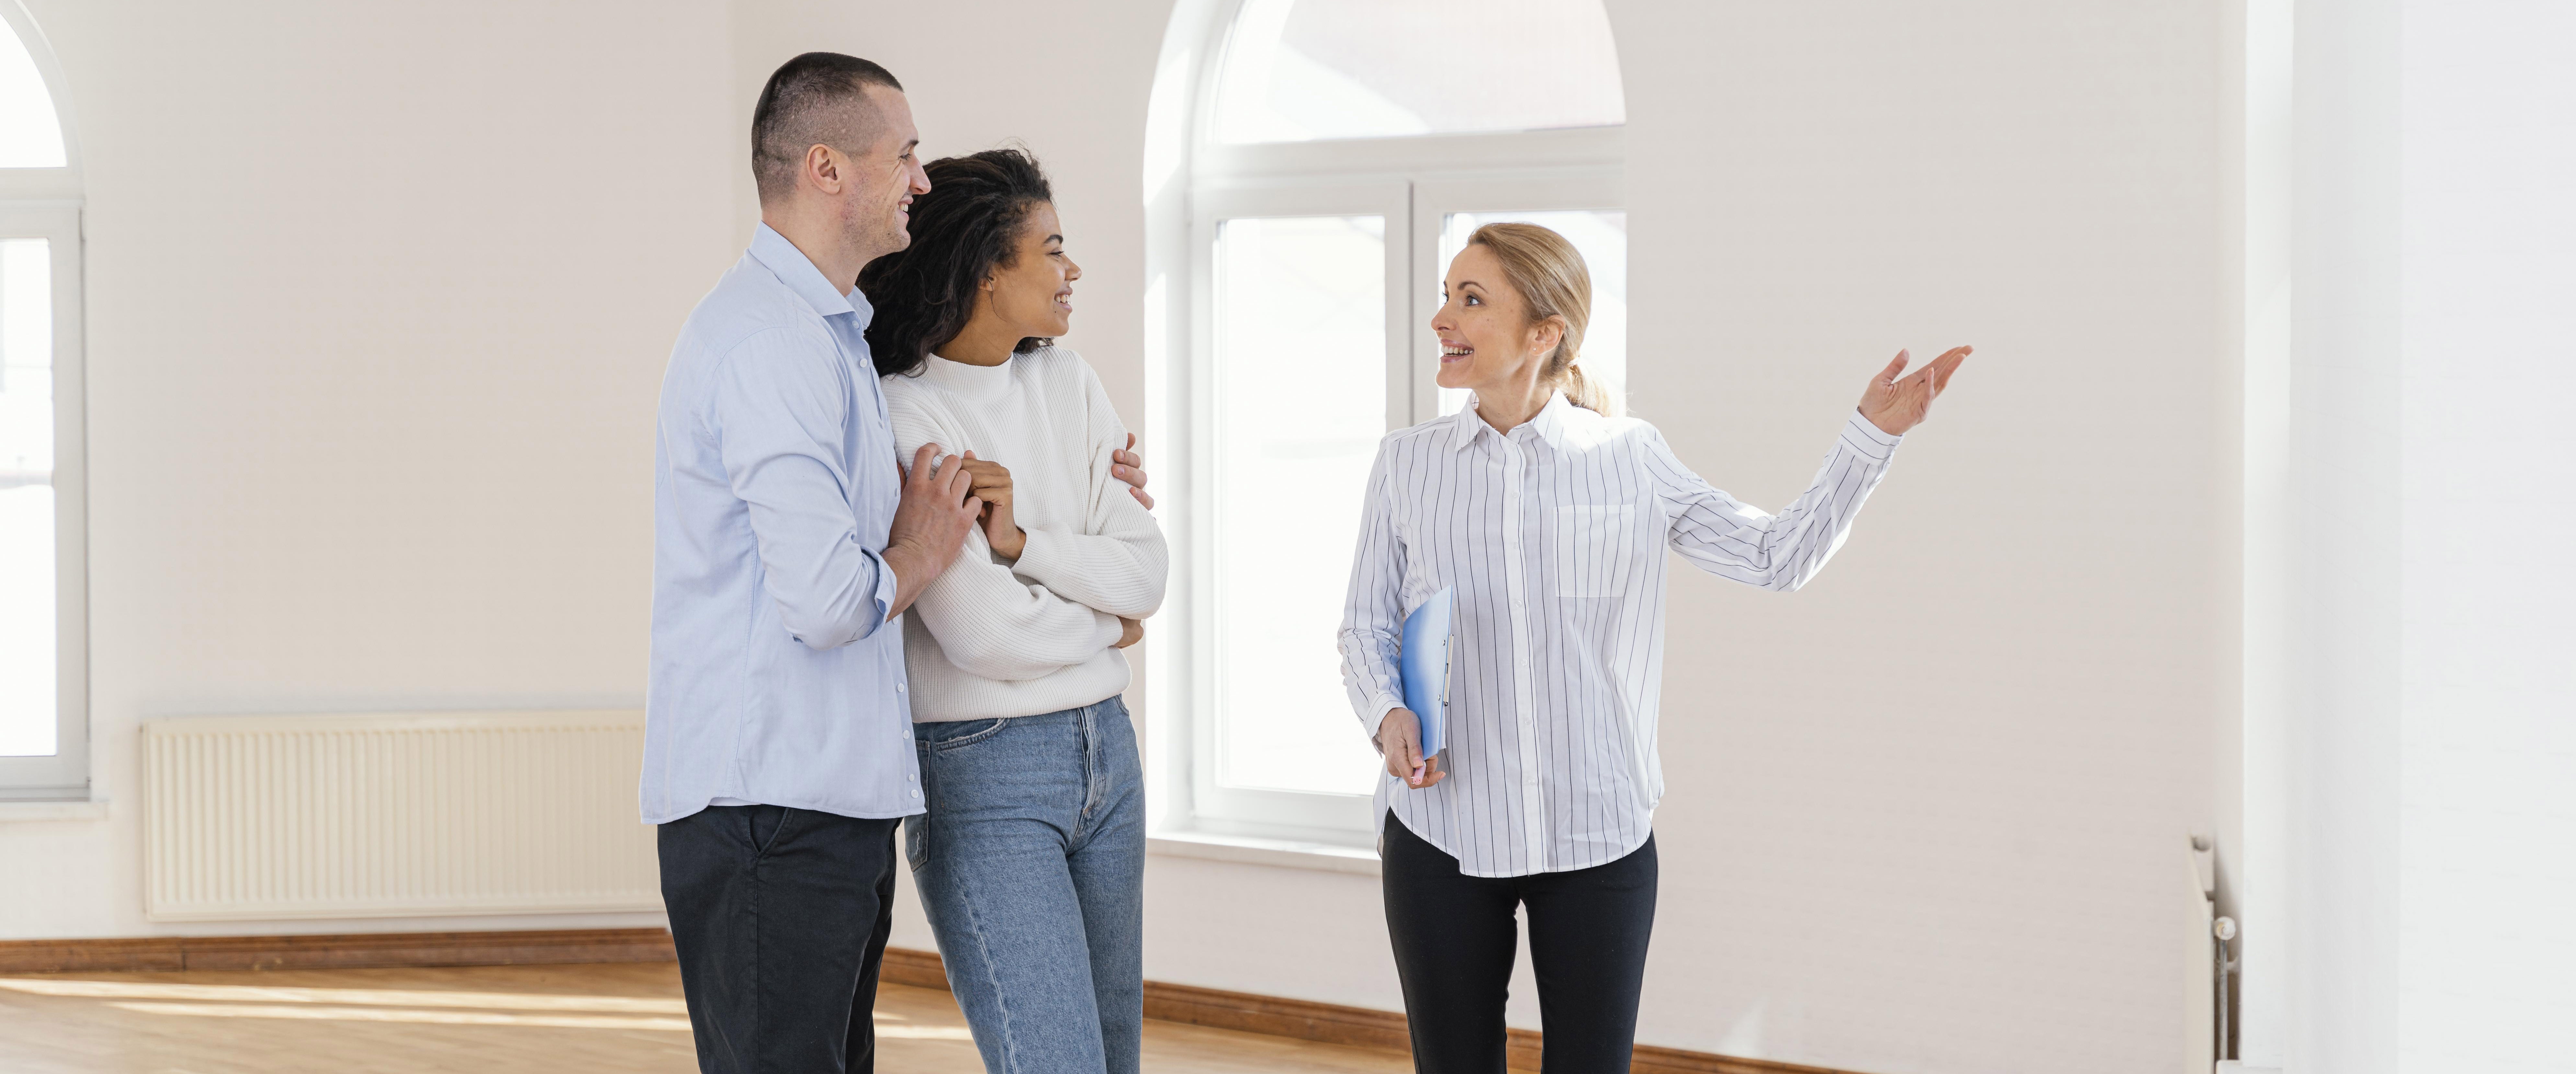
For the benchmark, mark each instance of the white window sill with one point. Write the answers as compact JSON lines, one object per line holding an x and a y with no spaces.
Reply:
{"x":1358,"y":858}
{"x":76,"y":809}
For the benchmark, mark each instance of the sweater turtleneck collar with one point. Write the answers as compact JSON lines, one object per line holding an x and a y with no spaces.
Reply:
{"x":979,"y":383}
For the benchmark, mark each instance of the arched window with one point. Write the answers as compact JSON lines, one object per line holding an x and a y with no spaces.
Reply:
{"x":1312,"y":165}
{"x":43,"y":661}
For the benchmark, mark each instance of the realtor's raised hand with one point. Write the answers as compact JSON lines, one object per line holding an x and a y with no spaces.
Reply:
{"x":1897,"y":405}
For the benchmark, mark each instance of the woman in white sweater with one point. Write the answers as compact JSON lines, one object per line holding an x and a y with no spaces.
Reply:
{"x":1030,"y":855}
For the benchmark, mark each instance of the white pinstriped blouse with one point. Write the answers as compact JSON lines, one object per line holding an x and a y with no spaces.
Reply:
{"x":1552,"y":536}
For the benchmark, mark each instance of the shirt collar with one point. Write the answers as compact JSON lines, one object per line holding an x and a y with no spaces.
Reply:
{"x":797,"y":271}
{"x":1548,"y":423}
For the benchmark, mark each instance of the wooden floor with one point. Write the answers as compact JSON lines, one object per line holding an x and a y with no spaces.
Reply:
{"x":608,"y":1019}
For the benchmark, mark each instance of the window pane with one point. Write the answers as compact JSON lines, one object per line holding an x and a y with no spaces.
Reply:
{"x":27,"y":718}
{"x":31,"y":136}
{"x":1602,"y":238}
{"x":1300,"y":385}
{"x":1297,"y":70}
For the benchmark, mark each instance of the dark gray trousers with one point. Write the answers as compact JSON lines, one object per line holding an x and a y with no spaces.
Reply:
{"x":780,"y":917}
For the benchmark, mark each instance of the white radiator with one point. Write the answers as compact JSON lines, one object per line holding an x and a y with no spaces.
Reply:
{"x":254,"y":817}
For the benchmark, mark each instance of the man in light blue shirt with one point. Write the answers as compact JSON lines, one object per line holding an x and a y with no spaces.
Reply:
{"x":778,"y":753}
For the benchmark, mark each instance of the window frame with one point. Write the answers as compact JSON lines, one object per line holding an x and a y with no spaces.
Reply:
{"x":1414,"y":182}
{"x":45,"y":203}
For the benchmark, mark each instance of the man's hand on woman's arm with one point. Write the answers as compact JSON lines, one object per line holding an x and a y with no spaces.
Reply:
{"x":930,"y":524}
{"x":1897,"y":405}
{"x":1399,"y":738}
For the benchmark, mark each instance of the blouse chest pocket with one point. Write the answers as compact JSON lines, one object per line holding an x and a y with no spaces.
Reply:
{"x":1594,"y":547}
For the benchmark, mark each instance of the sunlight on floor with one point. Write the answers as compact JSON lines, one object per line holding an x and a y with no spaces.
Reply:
{"x":597,"y":1019}
{"x":396,"y":1005}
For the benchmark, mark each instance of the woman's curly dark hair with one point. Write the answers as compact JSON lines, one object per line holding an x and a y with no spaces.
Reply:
{"x":965,"y":227}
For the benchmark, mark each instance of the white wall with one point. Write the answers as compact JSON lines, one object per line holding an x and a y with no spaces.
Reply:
{"x":1928,"y":814}
{"x":1925,"y":815}
{"x":379,"y":300}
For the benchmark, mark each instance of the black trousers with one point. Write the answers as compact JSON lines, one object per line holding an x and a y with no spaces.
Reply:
{"x":1455,"y":939}
{"x":780,"y":916}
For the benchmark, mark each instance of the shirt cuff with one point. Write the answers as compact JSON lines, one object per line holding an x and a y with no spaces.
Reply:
{"x":886,"y":588}
{"x":1377,"y":719}
{"x":1867,"y":438}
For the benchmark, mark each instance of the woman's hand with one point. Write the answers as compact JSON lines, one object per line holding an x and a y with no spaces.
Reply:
{"x":1130,"y":631}
{"x":1399,"y":737}
{"x":1127,"y":467}
{"x":992,"y":484}
{"x":1897,"y":405}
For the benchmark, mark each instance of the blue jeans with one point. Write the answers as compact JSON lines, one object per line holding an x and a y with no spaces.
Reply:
{"x":1030,"y":862}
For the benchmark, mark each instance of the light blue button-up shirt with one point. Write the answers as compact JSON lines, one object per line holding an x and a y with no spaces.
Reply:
{"x":775,"y":678}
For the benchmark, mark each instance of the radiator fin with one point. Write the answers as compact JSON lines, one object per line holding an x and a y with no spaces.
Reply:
{"x":266,"y":817}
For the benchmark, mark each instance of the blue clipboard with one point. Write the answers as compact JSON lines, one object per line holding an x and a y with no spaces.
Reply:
{"x":1423,"y":662}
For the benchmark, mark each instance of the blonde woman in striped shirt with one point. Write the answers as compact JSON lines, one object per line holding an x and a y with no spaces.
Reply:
{"x":1549,"y":512}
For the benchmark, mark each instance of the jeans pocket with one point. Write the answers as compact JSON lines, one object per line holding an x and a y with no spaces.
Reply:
{"x":980,"y":730}
{"x":916,"y":840}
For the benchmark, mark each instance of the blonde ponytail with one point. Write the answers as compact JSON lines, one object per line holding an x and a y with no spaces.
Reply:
{"x":1550,"y":275}
{"x":1589,"y":394}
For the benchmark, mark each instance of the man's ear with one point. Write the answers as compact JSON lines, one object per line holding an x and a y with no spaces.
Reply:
{"x":823,"y":167}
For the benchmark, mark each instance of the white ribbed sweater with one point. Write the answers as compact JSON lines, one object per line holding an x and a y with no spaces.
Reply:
{"x":996,"y":639}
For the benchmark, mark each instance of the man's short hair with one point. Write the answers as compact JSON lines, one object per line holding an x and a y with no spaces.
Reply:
{"x":808,"y":102}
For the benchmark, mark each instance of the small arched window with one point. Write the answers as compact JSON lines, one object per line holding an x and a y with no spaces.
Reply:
{"x":43,"y":661}
{"x":1303,"y":70}
{"x":1312,"y":166}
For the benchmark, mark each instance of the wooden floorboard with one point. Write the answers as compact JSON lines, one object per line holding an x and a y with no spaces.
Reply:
{"x":336,"y":951}
{"x":1174,"y":1011}
{"x":612,"y":1019}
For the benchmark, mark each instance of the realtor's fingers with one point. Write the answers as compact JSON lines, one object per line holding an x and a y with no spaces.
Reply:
{"x":1948,"y":364}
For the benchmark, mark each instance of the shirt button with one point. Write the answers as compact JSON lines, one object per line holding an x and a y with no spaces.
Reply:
{"x":898,"y":688}
{"x":916,"y":794}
